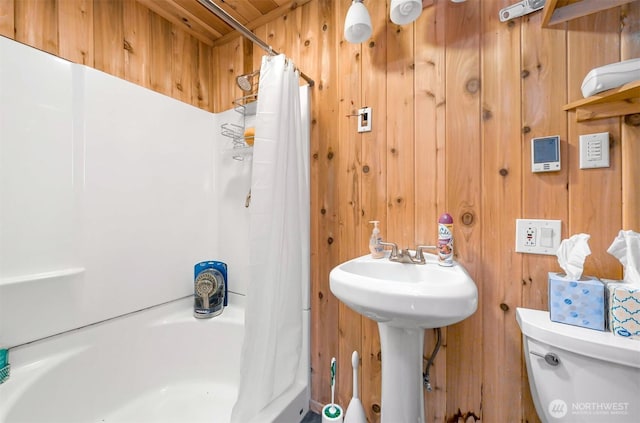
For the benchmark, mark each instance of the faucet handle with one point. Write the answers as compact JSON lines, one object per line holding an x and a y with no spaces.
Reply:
{"x":420,"y":248}
{"x":394,"y":248}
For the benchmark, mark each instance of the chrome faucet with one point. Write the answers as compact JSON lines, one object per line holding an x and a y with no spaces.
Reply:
{"x":404,"y":256}
{"x":419,"y":257}
{"x":394,"y":249}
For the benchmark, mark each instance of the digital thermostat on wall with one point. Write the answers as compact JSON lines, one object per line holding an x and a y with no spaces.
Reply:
{"x":545,"y":154}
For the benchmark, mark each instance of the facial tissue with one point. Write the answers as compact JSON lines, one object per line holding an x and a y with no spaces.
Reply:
{"x":624,"y":296}
{"x":574,"y":299}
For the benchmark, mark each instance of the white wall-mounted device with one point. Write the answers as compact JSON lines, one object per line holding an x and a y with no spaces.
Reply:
{"x":594,"y":150}
{"x":610,"y":76}
{"x":535,"y":236}
{"x":545,"y":154}
{"x":364,"y":119}
{"x":521,"y":8}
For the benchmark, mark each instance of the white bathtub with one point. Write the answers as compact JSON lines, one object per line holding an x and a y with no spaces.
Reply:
{"x":158,"y":365}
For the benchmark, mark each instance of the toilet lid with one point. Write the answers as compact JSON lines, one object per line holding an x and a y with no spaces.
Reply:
{"x":536,"y":324}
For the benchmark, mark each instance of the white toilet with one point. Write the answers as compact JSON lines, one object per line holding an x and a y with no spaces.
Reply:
{"x":579,"y":375}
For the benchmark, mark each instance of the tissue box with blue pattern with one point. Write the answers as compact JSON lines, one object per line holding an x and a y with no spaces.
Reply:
{"x":578,"y":303}
{"x":623,"y":305}
{"x":624,"y":297}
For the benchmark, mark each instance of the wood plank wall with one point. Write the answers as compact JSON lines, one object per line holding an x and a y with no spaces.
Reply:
{"x":456,"y":97}
{"x":119,"y":37}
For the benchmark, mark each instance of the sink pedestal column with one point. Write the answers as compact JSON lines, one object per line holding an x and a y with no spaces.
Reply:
{"x":402,"y":392}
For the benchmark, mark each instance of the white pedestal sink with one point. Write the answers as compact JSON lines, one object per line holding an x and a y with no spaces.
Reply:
{"x":404,"y":299}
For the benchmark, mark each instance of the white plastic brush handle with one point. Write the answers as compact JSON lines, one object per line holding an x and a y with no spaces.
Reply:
{"x":333,"y":384}
{"x":355,"y":360}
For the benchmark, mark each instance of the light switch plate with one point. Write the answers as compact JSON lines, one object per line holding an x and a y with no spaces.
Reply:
{"x":594,"y":150}
{"x":364,"y":119}
{"x":536,"y":236}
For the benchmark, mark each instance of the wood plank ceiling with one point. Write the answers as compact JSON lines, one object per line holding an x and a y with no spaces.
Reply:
{"x":198,"y":21}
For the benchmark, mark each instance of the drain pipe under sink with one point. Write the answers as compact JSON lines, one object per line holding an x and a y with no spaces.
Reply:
{"x":425,"y":376}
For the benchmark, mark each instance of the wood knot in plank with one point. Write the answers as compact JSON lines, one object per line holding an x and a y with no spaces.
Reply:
{"x":467,"y":218}
{"x":504,"y":307}
{"x":473,"y":85}
{"x":330,"y":240}
{"x":524,"y":74}
{"x":526,"y":129}
{"x":633,"y":119}
{"x":186,"y":23}
{"x":127,"y":46}
{"x":503,"y":172}
{"x":486,"y":114}
{"x":375,"y":408}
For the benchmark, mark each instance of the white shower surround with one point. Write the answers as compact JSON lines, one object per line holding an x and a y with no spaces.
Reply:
{"x":109,"y":198}
{"x":158,"y":366}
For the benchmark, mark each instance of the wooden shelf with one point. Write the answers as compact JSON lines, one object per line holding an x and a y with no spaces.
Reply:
{"x":558,"y":11}
{"x":624,"y":100}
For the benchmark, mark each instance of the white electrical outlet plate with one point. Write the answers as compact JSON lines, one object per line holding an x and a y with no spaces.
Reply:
{"x":594,"y":150}
{"x":536,"y":236}
{"x":364,"y":119}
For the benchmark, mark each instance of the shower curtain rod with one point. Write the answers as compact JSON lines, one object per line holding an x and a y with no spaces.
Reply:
{"x":232,"y":22}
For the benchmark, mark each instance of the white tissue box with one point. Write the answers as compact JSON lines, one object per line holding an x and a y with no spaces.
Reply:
{"x":578,"y":303}
{"x":623,"y":306}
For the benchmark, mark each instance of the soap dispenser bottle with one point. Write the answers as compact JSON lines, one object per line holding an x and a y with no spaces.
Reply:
{"x":376,"y":248}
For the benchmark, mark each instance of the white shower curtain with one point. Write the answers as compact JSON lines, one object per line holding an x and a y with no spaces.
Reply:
{"x":279,"y":242}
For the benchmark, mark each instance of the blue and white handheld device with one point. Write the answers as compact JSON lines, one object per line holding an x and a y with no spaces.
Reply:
{"x":210,"y":289}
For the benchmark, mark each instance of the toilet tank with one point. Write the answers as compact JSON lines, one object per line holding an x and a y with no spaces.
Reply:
{"x":587,"y":376}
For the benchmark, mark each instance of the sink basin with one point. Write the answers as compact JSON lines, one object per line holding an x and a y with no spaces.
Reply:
{"x":404,"y":299}
{"x":405,"y":295}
